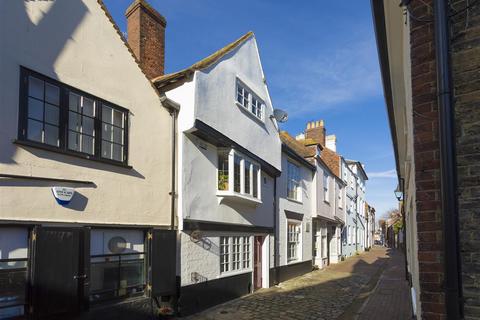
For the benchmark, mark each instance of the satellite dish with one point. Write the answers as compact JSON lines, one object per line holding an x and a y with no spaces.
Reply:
{"x":280,"y":115}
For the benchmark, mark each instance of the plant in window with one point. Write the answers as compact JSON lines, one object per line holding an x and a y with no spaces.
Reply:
{"x":222,"y":181}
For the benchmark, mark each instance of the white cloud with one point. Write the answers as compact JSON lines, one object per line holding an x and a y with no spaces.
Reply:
{"x":331,"y":78}
{"x":383,"y":174}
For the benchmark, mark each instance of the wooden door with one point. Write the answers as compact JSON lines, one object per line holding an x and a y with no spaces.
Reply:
{"x":58,"y":277}
{"x":257,"y":263}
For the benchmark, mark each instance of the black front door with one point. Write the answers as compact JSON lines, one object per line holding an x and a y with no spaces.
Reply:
{"x":58,"y":271}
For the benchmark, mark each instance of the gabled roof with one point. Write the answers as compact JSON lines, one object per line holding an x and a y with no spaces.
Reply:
{"x":297,"y":150}
{"x":359,"y":164}
{"x":172,"y":80}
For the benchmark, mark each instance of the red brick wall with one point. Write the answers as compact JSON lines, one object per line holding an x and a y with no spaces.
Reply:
{"x":427,"y":163}
{"x":146,"y":37}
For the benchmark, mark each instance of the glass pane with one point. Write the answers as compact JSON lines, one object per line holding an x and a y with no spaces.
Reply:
{"x":247,"y":177}
{"x":107,"y":133}
{"x":236,"y":174}
{"x":73,"y":141}
{"x":104,"y":275}
{"x":88,"y":126}
{"x":74,"y":122}
{"x":52,"y":94}
{"x":223,"y":170}
{"x":87,"y":144}
{"x":35,"y":109}
{"x":106,"y":114}
{"x":106,"y":150}
{"x":117,"y":135}
{"x":51,"y":135}
{"x":88,"y":107}
{"x":118,"y":118}
{"x":117,"y":152}
{"x":12,"y":290}
{"x":51,"y":114}
{"x":34,"y":130}
{"x":74,"y":102}
{"x":132,"y":273}
{"x":255,"y":181}
{"x":35,"y":87}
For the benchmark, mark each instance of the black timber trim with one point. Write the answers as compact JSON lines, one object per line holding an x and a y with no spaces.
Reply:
{"x":209,"y":134}
{"x":327,"y":219}
{"x":292,"y":270}
{"x":293,"y":215}
{"x":27,"y":223}
{"x":292,"y":154}
{"x":17,"y":176}
{"x":378,"y":12}
{"x":191,"y":225}
{"x":205,"y":294}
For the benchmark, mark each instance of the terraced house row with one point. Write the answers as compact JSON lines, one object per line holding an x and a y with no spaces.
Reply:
{"x":126,"y":191}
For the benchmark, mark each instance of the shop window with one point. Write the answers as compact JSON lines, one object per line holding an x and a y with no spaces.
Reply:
{"x":13,"y":271}
{"x":117,"y":268}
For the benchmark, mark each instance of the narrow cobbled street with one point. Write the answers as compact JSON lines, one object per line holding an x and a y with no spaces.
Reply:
{"x":369,"y":286}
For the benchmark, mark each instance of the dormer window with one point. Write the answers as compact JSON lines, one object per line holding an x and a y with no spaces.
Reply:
{"x":238,"y":175}
{"x":249,"y":100}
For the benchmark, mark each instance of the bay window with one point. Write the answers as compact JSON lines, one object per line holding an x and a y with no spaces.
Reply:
{"x":236,"y":174}
{"x":63,"y":119}
{"x":234,"y":253}
{"x":294,"y":191}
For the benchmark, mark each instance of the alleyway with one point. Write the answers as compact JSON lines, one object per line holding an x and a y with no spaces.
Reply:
{"x":369,"y":286}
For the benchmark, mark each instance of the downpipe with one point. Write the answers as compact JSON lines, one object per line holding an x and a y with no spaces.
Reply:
{"x":448,"y":173}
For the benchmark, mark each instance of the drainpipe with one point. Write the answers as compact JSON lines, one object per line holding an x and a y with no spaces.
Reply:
{"x":276,"y":233}
{"x":448,"y":173}
{"x":174,"y":108}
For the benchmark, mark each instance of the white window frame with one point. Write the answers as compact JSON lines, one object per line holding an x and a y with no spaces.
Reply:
{"x":326,"y":188}
{"x":238,"y":254}
{"x":249,"y":96}
{"x":294,"y":177}
{"x":297,"y":240}
{"x":340,"y":196}
{"x":231,"y":176}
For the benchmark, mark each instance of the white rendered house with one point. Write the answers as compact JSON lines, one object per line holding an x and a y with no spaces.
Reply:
{"x":229,"y":155}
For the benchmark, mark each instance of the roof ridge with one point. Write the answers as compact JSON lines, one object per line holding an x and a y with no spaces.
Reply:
{"x":202,"y":64}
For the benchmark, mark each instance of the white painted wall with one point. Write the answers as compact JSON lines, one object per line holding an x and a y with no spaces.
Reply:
{"x":75,"y":43}
{"x":214,"y":92}
{"x":306,"y":207}
{"x":198,"y":187}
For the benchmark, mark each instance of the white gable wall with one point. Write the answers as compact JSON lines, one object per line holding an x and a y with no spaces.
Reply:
{"x":215,"y":103}
{"x":74,"y":43}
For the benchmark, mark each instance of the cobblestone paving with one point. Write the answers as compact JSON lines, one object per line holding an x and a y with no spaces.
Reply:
{"x":322,"y":294}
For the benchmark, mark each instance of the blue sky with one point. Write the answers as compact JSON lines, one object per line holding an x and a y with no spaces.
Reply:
{"x":320,"y":61}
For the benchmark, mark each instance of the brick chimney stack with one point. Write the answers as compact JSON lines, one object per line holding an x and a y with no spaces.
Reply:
{"x":316,"y":131}
{"x":146,"y":37}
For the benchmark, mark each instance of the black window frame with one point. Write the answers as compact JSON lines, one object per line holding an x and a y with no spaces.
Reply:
{"x":63,"y":120}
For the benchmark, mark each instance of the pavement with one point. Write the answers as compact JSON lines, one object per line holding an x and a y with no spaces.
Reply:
{"x":367,"y":286}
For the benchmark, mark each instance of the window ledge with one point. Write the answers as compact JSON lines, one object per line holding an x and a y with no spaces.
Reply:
{"x":233,"y":273}
{"x":294,"y":200}
{"x":41,"y":146}
{"x":237,"y":197}
{"x":250,"y":114}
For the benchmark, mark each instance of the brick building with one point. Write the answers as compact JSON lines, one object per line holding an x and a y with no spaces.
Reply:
{"x":429,"y":57}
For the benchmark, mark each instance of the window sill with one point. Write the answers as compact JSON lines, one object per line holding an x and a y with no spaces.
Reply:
{"x":227,"y":274}
{"x":237,"y":197}
{"x":250,"y":114}
{"x":42,"y":146}
{"x":294,"y":200}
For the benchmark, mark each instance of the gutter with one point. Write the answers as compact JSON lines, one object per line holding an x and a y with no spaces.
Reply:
{"x":448,"y":172}
{"x":174,"y":108}
{"x":276,"y":239}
